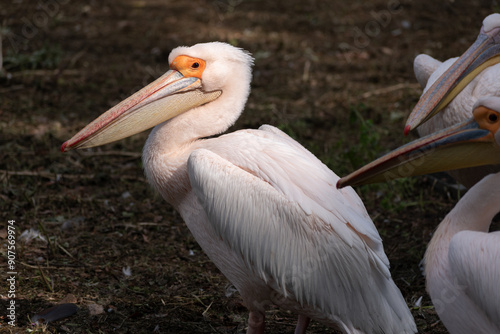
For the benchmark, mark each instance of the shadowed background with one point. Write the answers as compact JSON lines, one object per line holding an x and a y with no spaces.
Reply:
{"x":336,"y":76}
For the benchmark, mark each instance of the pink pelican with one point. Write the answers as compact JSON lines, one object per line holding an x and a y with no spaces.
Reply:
{"x":452,"y":88}
{"x":264,"y":209}
{"x":462,"y":261}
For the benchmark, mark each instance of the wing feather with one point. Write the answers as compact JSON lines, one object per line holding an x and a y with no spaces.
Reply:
{"x":318,"y":258}
{"x":475,"y":262}
{"x":320,"y":193}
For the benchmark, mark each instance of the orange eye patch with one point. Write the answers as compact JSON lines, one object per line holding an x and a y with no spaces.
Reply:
{"x":487,"y":119}
{"x":188,"y":66}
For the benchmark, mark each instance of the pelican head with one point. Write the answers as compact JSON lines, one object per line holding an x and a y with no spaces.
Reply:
{"x":198,"y":75}
{"x":472,"y":143}
{"x":484,"y":52}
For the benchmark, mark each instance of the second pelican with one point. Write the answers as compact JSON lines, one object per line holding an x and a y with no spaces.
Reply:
{"x":452,"y":88}
{"x":462,"y":261}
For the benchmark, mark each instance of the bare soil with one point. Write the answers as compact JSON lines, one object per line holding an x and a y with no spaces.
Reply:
{"x":336,"y":75}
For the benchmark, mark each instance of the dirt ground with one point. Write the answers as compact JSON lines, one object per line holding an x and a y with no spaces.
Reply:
{"x":335,"y":75}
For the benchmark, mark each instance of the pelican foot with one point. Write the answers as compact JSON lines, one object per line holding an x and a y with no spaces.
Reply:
{"x":302,"y":324}
{"x":256,"y":322}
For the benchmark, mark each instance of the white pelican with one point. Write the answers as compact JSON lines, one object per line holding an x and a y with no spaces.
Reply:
{"x":449,"y":95}
{"x":264,"y":209}
{"x":462,"y":261}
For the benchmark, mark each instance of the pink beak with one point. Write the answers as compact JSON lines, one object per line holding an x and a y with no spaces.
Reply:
{"x":165,"y":98}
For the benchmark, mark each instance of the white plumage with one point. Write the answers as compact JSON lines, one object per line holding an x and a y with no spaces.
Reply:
{"x":462,"y":263}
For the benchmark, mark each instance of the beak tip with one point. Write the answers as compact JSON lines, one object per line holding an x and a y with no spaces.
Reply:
{"x":407,"y":130}
{"x":63,"y":147}
{"x":339,"y":184}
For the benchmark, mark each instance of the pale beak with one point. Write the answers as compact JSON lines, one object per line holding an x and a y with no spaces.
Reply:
{"x":165,"y":98}
{"x":483,"y":53}
{"x":461,"y":146}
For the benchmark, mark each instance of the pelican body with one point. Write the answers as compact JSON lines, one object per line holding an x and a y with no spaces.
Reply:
{"x":462,"y":261}
{"x":264,"y":209}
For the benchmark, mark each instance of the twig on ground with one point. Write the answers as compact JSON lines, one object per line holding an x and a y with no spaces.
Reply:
{"x":106,"y":153}
{"x":45,"y":279}
{"x":59,"y":176}
{"x":390,"y":89}
{"x":65,"y":251}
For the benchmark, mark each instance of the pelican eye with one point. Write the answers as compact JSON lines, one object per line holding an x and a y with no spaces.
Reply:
{"x":189,"y":66}
{"x":492,"y":117}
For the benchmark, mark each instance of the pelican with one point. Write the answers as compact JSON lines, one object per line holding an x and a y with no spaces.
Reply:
{"x":263,"y":208}
{"x":462,"y":261}
{"x":451,"y":88}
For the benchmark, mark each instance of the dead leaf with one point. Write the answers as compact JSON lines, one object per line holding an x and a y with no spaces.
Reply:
{"x":95,"y":309}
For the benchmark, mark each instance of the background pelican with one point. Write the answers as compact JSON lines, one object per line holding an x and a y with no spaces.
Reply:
{"x":263,"y":208}
{"x":462,"y":261}
{"x":451,"y":88}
